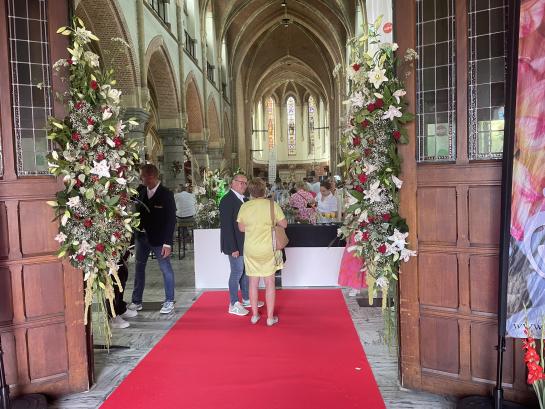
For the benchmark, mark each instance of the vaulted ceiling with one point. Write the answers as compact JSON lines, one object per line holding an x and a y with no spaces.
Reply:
{"x":271,"y":44}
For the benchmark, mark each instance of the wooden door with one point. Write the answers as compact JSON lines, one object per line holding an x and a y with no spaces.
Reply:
{"x":451,"y":199}
{"x":41,"y":301}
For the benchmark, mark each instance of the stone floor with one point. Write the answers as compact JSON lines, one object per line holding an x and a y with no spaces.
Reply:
{"x":150,"y":326}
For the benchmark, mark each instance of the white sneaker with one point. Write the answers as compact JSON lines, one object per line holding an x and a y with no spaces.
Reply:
{"x":246,"y":304}
{"x":135,"y":307}
{"x":119,"y":322}
{"x":238,"y":309}
{"x":255,"y":319}
{"x":129,"y":313}
{"x":168,"y":306}
{"x":272,"y":321}
{"x":353,"y":292}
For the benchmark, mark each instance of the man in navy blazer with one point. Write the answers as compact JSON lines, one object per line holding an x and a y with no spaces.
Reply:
{"x":157,"y":224}
{"x":232,"y":244}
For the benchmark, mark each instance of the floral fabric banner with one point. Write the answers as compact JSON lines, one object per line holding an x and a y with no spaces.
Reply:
{"x":526,"y":276}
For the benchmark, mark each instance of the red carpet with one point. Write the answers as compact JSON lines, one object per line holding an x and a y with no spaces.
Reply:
{"x":312,"y":359}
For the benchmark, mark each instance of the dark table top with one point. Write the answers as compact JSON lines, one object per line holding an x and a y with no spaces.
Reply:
{"x":314,"y":235}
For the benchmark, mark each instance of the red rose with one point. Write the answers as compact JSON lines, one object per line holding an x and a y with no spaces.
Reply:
{"x":82,"y":160}
{"x":364,"y":124}
{"x":93,"y":84}
{"x":386,"y":217}
{"x":365,"y":236}
{"x":356,"y":67}
{"x":356,"y":141}
{"x":69,"y":61}
{"x":118,"y":142}
{"x":80,"y":257}
{"x":396,"y":135}
{"x":358,"y":188}
{"x":78,"y":183}
{"x":371,"y":219}
{"x":114,"y":253}
{"x":90,"y":121}
{"x":363,"y":224}
{"x":362,"y":178}
{"x":382,"y":249}
{"x":76,"y":136}
{"x":78,"y":105}
{"x":379,"y":103}
{"x":95,"y":178}
{"x":85,"y":146}
{"x":367,"y":152}
{"x":88,"y":223}
{"x":100,"y":247}
{"x":102,"y":208}
{"x":117,"y":234}
{"x":100,"y":157}
{"x":371,"y":107}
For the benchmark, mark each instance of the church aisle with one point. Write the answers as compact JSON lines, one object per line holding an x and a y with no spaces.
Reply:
{"x":311,"y":358}
{"x":150,"y":326}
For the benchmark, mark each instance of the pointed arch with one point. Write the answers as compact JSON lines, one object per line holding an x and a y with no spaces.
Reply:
{"x":193,"y":103}
{"x":104,"y":18}
{"x":213,"y":123}
{"x":160,"y":76}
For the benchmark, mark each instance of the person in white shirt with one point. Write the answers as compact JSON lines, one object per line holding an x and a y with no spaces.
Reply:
{"x":185,"y":203}
{"x":327,"y":202}
{"x":313,"y":185}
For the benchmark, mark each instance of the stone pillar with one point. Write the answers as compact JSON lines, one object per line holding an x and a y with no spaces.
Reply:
{"x":137,"y":132}
{"x":172,"y":151}
{"x":199,"y":150}
{"x":215,"y":156}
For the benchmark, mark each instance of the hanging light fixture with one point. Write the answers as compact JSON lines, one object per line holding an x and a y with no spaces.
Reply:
{"x":285,"y":20}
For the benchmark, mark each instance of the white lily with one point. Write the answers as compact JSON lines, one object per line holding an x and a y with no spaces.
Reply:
{"x":398,"y":94}
{"x":374,"y":193}
{"x":357,"y":100}
{"x":398,"y":182}
{"x":84,"y":248}
{"x":398,"y":239}
{"x":61,"y":237}
{"x":74,"y":201}
{"x":392,"y":113}
{"x":382,"y":282}
{"x":377,"y":77}
{"x":101,"y":169}
{"x":405,"y":254}
{"x":107,"y":114}
{"x":369,"y":168}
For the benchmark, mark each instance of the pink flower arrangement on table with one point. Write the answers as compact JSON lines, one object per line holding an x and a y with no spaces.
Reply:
{"x":300,"y":201}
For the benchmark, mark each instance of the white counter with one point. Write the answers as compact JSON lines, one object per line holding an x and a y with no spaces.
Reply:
{"x":304,"y":267}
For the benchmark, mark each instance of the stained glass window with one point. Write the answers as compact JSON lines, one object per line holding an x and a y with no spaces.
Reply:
{"x":290,"y":106}
{"x":486,"y":72}
{"x":311,"y":118}
{"x":436,"y":96}
{"x":270,"y":122}
{"x":30,"y":83}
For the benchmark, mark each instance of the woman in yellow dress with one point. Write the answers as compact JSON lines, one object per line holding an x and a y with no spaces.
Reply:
{"x":254,"y":219}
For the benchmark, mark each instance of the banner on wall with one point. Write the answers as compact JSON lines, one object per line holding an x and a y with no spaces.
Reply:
{"x":376,"y":8}
{"x":526,"y":269}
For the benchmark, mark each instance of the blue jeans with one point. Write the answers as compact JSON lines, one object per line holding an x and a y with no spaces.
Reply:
{"x":237,"y":277}
{"x":143,"y":248}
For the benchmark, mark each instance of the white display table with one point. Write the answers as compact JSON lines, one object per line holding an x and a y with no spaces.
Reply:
{"x":305,"y":266}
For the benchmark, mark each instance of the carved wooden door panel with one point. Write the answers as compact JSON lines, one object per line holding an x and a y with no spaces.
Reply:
{"x":41,"y":303}
{"x":451,"y":198}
